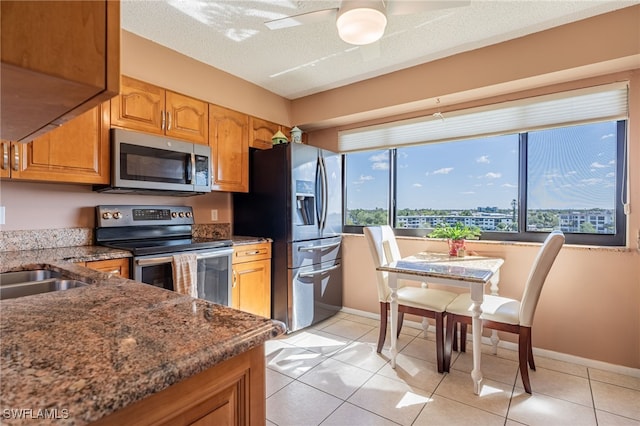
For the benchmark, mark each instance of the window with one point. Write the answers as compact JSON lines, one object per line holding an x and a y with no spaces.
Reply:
{"x":514,"y":187}
{"x":367,"y":176}
{"x":472,"y":181}
{"x":517,"y":169}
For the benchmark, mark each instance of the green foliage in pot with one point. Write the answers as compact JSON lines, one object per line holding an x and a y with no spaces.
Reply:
{"x":459,"y":231}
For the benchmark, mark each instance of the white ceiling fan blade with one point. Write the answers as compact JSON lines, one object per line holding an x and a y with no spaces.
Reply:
{"x":303,"y":18}
{"x":407,"y":7}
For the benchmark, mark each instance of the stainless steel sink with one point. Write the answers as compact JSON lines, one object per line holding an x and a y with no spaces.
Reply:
{"x":27,"y":283}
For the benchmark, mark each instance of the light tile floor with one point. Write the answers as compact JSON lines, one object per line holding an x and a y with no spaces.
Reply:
{"x":330,"y":374}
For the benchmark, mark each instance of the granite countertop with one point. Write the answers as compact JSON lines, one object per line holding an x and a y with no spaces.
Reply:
{"x":242,"y":240}
{"x":86,"y":352}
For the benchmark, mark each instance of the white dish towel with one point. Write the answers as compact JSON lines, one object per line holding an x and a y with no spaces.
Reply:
{"x":185,"y":274}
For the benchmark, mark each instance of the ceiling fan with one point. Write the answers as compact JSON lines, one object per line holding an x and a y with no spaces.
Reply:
{"x":362,"y":22}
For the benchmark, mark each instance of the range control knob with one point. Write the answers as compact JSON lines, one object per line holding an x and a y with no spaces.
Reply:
{"x":181,"y":214}
{"x":174,"y":215}
{"x":117,"y":215}
{"x":188,"y":214}
{"x":106,"y":215}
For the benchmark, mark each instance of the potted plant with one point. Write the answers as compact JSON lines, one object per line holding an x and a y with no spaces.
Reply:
{"x":455,"y":235}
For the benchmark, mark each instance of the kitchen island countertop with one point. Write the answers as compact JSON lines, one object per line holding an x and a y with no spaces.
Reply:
{"x":84,"y":353}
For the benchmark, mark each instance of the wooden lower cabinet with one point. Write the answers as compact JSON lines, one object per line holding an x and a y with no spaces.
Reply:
{"x":110,"y":266}
{"x":230,"y":393}
{"x":251,"y":289}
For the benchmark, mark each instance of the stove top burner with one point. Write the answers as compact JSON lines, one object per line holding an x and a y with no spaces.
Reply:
{"x":162,"y":246}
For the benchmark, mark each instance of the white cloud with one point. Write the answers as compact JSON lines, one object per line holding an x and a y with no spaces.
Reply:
{"x":607,"y":136}
{"x":597,"y":165}
{"x":363,"y":179}
{"x":442,"y":171}
{"x":483,"y":159}
{"x":610,"y":175}
{"x":417,"y":185}
{"x":571,"y":173}
{"x":592,"y":181}
{"x":493,"y":175}
{"x":383,"y":156}
{"x":380,"y":166}
{"x":612,"y":162}
{"x":468,"y":193}
{"x":509,"y":185}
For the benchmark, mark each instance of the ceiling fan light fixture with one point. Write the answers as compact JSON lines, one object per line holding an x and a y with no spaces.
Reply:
{"x":361,"y":22}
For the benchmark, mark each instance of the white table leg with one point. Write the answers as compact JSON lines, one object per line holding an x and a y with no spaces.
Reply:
{"x":494,"y":291}
{"x":393,"y":285}
{"x":477,"y":291}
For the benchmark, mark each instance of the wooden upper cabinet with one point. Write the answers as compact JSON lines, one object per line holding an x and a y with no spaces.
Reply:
{"x":140,"y":106}
{"x":261,"y":133}
{"x":77,"y":152}
{"x":147,"y":108}
{"x":186,"y":118}
{"x":58,"y":60}
{"x":229,"y":140}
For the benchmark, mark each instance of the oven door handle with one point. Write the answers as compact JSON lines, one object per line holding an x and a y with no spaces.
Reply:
{"x":168,"y":259}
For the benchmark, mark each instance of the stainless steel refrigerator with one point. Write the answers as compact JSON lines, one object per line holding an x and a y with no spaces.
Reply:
{"x":295,"y":198}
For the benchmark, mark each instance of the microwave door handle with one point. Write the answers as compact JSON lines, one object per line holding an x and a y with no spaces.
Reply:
{"x":191,"y":168}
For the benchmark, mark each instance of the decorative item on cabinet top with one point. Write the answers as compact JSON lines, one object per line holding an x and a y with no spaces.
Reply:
{"x":296,"y":135}
{"x":279,"y":138}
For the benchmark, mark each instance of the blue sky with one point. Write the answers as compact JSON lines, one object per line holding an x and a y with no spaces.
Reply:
{"x":568,"y":168}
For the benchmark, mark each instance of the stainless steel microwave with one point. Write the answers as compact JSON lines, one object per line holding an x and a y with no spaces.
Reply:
{"x":150,"y":164}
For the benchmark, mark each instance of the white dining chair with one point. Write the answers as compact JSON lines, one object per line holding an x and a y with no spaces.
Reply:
{"x":505,"y":314}
{"x":422,"y":301}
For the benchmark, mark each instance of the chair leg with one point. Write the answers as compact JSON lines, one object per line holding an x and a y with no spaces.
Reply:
{"x":532,"y":364}
{"x":440,"y":350}
{"x":523,"y":354}
{"x":383,"y":326}
{"x":400,"y":321}
{"x":450,"y":343}
{"x":463,"y":337}
{"x":454,"y":337}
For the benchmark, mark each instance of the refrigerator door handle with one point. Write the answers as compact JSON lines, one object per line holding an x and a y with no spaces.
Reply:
{"x":319,"y":271}
{"x":323,"y":168}
{"x":321,"y":247}
{"x":319,"y":188}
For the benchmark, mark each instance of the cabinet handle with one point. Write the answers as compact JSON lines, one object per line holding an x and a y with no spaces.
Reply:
{"x":115,"y":271}
{"x":251,"y":253}
{"x":16,"y":157}
{"x":235,"y":279}
{"x":169,"y":115}
{"x":162,"y":115}
{"x":5,"y":155}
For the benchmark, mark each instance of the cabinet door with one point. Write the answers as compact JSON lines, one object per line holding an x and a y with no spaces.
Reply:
{"x":140,"y":106}
{"x":5,"y":160}
{"x":261,"y":133}
{"x":229,"y":140}
{"x":77,"y":152}
{"x":111,"y":266}
{"x":251,"y":286}
{"x":186,"y":118}
{"x":59,"y":59}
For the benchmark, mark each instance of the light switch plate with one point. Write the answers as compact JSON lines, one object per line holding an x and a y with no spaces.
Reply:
{"x":214,"y":215}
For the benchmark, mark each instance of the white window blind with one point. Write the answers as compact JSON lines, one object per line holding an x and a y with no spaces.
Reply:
{"x":598,"y":103}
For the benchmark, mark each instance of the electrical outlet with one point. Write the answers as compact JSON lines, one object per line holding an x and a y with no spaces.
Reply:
{"x":1,"y":215}
{"x":214,"y":215}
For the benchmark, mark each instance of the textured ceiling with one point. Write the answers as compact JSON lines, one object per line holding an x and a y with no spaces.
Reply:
{"x":298,"y":61}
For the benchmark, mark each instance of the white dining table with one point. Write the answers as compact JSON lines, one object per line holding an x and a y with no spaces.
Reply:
{"x":472,"y":272}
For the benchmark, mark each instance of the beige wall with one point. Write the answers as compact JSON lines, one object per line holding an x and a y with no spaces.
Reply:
{"x":51,"y":206}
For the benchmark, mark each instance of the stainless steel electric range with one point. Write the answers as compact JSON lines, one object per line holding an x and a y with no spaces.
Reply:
{"x":153,"y":234}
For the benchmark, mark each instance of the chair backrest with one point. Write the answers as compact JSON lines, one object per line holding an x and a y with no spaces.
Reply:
{"x":539,"y":271}
{"x":384,"y":249}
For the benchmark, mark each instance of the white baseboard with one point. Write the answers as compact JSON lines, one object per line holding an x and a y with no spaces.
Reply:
{"x":558,"y":356}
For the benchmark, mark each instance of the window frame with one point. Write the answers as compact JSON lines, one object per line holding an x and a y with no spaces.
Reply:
{"x":617,"y":239}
